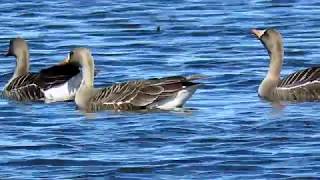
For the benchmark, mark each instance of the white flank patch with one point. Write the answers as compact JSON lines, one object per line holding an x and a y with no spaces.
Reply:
{"x":64,"y":91}
{"x":177,"y":101}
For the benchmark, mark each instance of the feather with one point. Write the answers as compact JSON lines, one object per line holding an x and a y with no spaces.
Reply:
{"x":32,"y":85}
{"x":139,"y":94}
{"x":57,"y":75}
{"x":24,"y":93}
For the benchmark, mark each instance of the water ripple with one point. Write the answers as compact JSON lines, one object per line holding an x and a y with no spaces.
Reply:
{"x":226,"y":131}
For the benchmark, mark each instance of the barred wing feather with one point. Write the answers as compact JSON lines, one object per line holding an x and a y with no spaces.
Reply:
{"x":135,"y":95}
{"x":300,"y":78}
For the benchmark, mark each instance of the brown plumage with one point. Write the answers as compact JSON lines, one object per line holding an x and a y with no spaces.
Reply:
{"x":301,"y":77}
{"x":26,"y":86}
{"x":300,"y":86}
{"x":31,"y":86}
{"x":157,"y":93}
{"x":141,"y":94}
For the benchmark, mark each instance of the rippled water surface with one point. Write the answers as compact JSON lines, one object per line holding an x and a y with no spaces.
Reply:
{"x":230,"y":133}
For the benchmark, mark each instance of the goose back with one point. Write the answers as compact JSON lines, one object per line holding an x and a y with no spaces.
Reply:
{"x":32,"y":86}
{"x":138,"y":95}
{"x":303,"y":85}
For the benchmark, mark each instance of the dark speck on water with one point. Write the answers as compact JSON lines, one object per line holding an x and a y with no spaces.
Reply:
{"x":227,"y":132}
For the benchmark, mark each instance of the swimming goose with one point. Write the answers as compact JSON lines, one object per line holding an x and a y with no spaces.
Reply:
{"x":164,"y":93}
{"x":300,"y":86}
{"x":57,"y":83}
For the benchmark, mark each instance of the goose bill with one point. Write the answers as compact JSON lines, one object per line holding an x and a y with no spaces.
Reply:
{"x":257,"y":32}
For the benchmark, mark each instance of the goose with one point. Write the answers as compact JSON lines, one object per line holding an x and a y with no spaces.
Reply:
{"x":56,"y":83}
{"x":166,"y":93}
{"x":303,"y":85}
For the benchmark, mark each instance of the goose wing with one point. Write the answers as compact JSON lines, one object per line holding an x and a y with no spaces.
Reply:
{"x":57,"y":75}
{"x":301,"y":78}
{"x":300,"y":86}
{"x":24,"y":87}
{"x":32,"y":85}
{"x":135,"y":95}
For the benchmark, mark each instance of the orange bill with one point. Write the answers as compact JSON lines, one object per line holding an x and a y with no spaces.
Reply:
{"x":257,"y":32}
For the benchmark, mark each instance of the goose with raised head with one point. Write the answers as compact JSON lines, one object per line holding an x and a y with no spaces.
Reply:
{"x":160,"y":93}
{"x":303,"y":85}
{"x":56,"y":83}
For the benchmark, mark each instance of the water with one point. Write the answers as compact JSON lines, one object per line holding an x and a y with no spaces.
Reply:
{"x":231,"y":133}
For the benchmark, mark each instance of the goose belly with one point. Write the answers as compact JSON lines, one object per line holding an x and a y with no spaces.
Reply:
{"x":176,"y":101}
{"x":65,"y":91}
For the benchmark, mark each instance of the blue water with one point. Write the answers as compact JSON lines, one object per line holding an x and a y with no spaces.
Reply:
{"x":229,"y":134}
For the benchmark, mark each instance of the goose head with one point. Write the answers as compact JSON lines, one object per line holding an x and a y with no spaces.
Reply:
{"x":80,"y":57}
{"x":18,"y":48}
{"x":271,"y":39}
